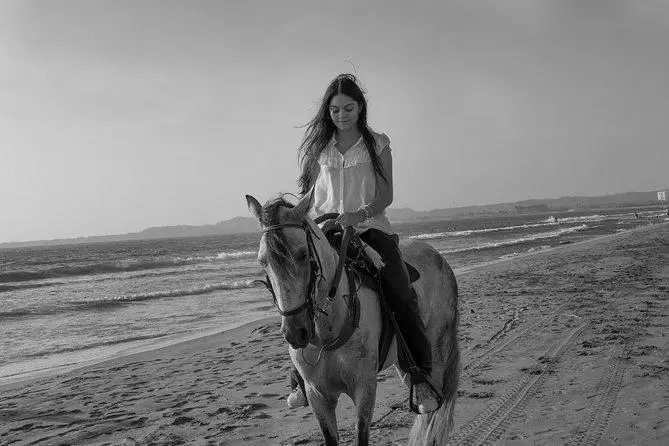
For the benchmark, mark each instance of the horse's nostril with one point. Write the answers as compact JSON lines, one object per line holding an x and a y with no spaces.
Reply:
{"x":297,"y":336}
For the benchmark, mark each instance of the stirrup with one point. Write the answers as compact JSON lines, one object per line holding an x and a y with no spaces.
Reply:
{"x":438,"y":397}
{"x":426,"y":399}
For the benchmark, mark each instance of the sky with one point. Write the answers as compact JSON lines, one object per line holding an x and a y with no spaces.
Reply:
{"x":120,"y":115}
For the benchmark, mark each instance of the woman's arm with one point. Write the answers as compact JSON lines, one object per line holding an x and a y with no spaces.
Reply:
{"x":384,"y":189}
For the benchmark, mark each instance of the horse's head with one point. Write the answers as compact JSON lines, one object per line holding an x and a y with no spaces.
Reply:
{"x":288,"y":252}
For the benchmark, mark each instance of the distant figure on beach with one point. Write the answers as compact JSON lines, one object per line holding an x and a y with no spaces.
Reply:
{"x":555,"y":219}
{"x":349,"y":167}
{"x":636,"y":216}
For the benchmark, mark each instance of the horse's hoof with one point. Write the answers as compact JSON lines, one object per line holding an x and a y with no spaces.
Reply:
{"x":296,"y":399}
{"x":426,"y":400}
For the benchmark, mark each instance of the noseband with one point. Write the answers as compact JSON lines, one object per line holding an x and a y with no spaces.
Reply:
{"x":315,"y":273}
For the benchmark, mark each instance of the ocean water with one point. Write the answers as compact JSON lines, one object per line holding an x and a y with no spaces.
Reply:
{"x":69,"y":304}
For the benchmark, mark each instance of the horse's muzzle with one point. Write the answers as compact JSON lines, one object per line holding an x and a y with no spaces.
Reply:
{"x":297,"y":335}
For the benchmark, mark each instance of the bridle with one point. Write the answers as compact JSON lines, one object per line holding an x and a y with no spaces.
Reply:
{"x":315,"y":277}
{"x":315,"y":274}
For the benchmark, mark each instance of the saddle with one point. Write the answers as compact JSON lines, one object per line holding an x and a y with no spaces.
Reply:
{"x":364,"y":261}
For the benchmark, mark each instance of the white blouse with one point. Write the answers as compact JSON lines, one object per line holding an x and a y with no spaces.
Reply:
{"x":347,"y":182}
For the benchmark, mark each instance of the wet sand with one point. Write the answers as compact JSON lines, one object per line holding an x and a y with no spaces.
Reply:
{"x":563,"y":346}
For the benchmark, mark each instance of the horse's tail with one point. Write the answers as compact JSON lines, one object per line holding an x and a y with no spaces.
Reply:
{"x":433,"y":429}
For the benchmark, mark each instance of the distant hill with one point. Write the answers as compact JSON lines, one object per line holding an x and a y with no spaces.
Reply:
{"x":240,"y":225}
{"x":530,"y":206}
{"x":236,"y":225}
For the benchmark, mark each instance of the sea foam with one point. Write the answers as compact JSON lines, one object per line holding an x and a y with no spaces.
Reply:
{"x":517,"y":241}
{"x":119,"y":266}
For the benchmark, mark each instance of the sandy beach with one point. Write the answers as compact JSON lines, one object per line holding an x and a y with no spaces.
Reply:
{"x":563,"y":346}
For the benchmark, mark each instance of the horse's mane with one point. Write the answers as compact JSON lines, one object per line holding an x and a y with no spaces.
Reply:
{"x":278,"y":248}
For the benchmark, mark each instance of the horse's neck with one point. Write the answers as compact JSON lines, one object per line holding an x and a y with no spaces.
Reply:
{"x":328,"y":327}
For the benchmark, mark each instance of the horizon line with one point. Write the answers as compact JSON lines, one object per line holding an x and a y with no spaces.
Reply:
{"x":658,"y":203}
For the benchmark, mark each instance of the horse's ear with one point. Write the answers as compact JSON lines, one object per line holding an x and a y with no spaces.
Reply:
{"x":302,"y":206}
{"x":255,"y":208}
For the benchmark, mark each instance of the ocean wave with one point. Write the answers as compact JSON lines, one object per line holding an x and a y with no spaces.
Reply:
{"x":14,"y":314}
{"x":550,"y":221}
{"x":241,"y":271}
{"x":482,"y":231}
{"x":21,"y":286}
{"x":206,"y":289}
{"x":77,"y":348}
{"x":105,"y":303}
{"x":517,"y":241}
{"x":236,"y":255}
{"x":128,"y":265}
{"x":435,"y":235}
{"x":586,"y":218}
{"x":515,"y":254}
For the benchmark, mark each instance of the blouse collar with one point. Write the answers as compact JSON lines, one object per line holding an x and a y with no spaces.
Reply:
{"x":334,"y":141}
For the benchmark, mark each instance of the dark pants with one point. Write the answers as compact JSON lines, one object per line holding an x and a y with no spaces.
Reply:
{"x":402,"y":300}
{"x":401,"y":297}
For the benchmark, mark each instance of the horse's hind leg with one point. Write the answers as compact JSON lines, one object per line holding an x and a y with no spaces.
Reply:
{"x":324,"y":409}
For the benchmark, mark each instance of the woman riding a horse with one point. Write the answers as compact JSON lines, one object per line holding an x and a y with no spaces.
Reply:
{"x":350,"y":169}
{"x":347,"y":170}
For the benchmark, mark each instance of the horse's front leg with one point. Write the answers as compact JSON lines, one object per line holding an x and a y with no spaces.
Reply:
{"x":364,"y":398}
{"x":324,"y":408}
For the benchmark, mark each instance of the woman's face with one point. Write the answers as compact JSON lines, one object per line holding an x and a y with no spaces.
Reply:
{"x":344,"y":112}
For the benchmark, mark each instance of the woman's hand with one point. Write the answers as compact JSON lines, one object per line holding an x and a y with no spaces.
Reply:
{"x":351,"y":218}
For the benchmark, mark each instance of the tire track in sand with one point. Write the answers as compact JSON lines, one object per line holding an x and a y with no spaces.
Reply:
{"x":599,"y":414}
{"x":469,"y":369}
{"x":493,"y":421}
{"x":395,"y":418}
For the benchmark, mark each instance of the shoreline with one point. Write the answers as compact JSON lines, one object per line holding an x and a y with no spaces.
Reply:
{"x":164,"y":342}
{"x":171,"y":340}
{"x":522,"y":255}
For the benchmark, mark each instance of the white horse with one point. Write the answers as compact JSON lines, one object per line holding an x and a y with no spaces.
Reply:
{"x":300,"y":265}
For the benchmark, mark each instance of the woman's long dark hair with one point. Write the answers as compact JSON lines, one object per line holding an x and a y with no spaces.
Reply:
{"x":321,"y":128}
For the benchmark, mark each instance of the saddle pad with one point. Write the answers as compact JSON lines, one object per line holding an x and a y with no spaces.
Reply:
{"x":387,"y":327}
{"x":413,"y":272}
{"x":375,"y":257}
{"x":376,"y":260}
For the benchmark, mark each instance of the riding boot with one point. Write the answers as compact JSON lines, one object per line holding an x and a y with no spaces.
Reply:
{"x":407,"y":314}
{"x":402,"y":299}
{"x":298,"y":394}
